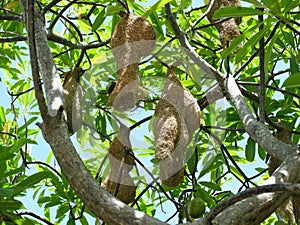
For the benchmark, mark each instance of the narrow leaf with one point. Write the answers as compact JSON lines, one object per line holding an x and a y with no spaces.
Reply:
{"x":250,"y":44}
{"x":268,"y":53}
{"x":235,"y":12}
{"x":250,"y":150}
{"x":292,"y":81}
{"x":273,"y":5}
{"x":261,"y":153}
{"x":294,"y":65}
{"x":156,"y":7}
{"x":10,"y":204}
{"x":20,"y":143}
{"x":6,"y":192}
{"x":30,"y":181}
{"x":112,"y":10}
{"x":238,"y":40}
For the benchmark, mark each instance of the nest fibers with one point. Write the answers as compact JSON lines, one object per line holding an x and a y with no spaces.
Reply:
{"x":119,"y":182}
{"x":73,"y":95}
{"x":133,"y":38}
{"x":177,"y":116}
{"x":228,"y":30}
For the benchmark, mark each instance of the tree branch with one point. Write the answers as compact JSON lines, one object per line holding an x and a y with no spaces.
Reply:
{"x":12,"y":18}
{"x":60,"y":40}
{"x":51,"y":79}
{"x":33,"y":59}
{"x":256,"y":209}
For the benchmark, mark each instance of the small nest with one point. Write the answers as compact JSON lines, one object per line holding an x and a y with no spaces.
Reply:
{"x":73,"y":95}
{"x":121,"y":185}
{"x":125,"y":191}
{"x":118,"y":152}
{"x":228,"y":30}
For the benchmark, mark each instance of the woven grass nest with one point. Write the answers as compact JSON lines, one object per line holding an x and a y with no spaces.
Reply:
{"x":133,"y":38}
{"x":228,"y":30}
{"x":177,"y":116}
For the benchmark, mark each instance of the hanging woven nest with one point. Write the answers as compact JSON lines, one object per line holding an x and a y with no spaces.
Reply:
{"x":133,"y":38}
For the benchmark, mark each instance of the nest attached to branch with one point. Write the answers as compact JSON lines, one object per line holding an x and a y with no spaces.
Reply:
{"x":119,"y":182}
{"x":73,"y":95}
{"x":177,"y":116}
{"x":133,"y":38}
{"x":229,"y":29}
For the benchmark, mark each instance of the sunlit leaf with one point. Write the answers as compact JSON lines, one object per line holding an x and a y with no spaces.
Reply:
{"x":273,"y":5}
{"x":250,"y":44}
{"x":235,"y":12}
{"x":30,"y":181}
{"x":99,"y":20}
{"x":292,"y":81}
{"x":158,"y":5}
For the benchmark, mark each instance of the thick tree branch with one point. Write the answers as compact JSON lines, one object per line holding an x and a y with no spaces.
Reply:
{"x":51,"y":79}
{"x":55,"y":132}
{"x":256,"y":209}
{"x":33,"y":59}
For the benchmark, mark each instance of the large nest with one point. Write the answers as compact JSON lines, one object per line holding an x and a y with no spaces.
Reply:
{"x":133,"y":38}
{"x":177,"y":116}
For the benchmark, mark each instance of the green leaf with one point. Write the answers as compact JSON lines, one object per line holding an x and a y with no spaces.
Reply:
{"x":10,"y":204}
{"x":261,"y":153}
{"x":204,"y":195}
{"x":207,"y":160}
{"x":30,"y":181}
{"x":4,"y":156}
{"x":292,"y":81}
{"x":211,"y":185}
{"x":12,"y":172}
{"x":288,"y":5}
{"x":273,"y":5}
{"x":288,"y":37}
{"x":268,"y":53}
{"x":158,"y":5}
{"x":6,"y":192}
{"x":294,"y":65}
{"x":43,"y":199}
{"x":236,"y":12}
{"x":157,"y":24}
{"x":20,"y":143}
{"x":250,"y":150}
{"x":111,"y":10}
{"x":2,"y":117}
{"x":237,"y":40}
{"x":84,"y":221}
{"x":192,"y":160}
{"x":53,"y":202}
{"x":250,"y":44}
